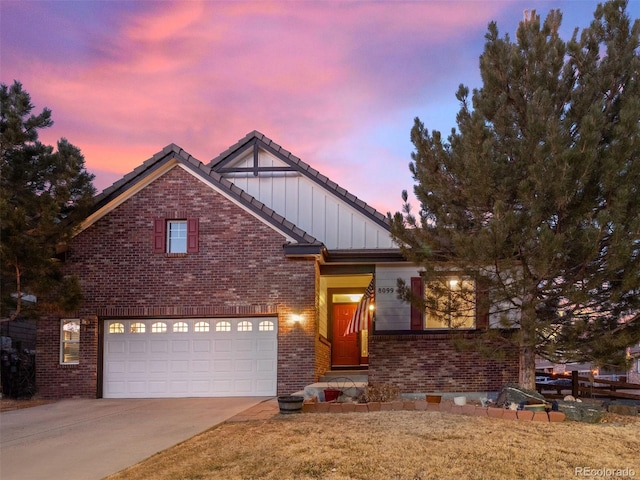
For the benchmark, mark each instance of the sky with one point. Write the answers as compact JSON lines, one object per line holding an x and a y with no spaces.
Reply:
{"x":336,"y":83}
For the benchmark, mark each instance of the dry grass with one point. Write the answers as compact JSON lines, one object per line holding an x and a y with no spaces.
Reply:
{"x":395,"y":445}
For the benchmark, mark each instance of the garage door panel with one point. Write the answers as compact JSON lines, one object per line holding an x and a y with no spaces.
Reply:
{"x":243,"y":366}
{"x":159,"y":346}
{"x":178,"y":346}
{"x":156,"y":358}
{"x":117,"y":347}
{"x":223,"y":345}
{"x":202,"y":346}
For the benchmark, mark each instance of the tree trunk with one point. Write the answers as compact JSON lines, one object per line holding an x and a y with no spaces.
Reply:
{"x":527,"y":367}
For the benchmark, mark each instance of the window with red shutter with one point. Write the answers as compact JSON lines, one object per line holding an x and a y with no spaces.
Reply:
{"x":176,"y":236}
{"x":159,"y":235}
{"x":193,"y":233}
{"x":417,"y":315}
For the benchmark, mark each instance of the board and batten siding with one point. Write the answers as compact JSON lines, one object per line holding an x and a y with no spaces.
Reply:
{"x":392,"y":313}
{"x":309,"y":205}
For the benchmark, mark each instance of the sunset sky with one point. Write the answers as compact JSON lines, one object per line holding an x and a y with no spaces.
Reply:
{"x":338,"y":84}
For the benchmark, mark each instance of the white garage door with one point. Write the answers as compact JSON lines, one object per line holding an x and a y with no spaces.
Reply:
{"x":208,"y":357}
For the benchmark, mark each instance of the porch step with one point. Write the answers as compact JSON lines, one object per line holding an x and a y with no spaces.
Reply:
{"x":359,"y":376}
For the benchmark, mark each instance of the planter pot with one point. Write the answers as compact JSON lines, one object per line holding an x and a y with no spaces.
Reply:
{"x":460,"y":401}
{"x":290,"y":403}
{"x":331,"y":394}
{"x":434,"y":398}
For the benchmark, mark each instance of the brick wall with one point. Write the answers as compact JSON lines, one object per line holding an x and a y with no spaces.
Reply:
{"x":54,"y":380}
{"x":240,"y":269}
{"x":422,"y":363}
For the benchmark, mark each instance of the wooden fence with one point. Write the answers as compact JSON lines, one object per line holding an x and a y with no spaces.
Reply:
{"x":584,"y":387}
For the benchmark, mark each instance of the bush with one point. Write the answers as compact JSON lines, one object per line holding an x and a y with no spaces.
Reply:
{"x":380,"y":392}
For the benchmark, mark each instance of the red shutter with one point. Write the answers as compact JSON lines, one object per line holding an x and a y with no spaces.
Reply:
{"x":159,"y":235}
{"x":193,"y":228}
{"x":417,"y":315}
{"x":482,"y":304}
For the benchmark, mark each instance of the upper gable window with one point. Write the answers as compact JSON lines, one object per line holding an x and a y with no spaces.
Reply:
{"x":176,"y":235}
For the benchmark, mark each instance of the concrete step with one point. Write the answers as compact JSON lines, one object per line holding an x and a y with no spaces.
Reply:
{"x":360,"y":376}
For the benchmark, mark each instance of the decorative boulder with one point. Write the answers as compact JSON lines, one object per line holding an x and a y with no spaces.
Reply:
{"x":588,"y":412}
{"x":513,"y":393}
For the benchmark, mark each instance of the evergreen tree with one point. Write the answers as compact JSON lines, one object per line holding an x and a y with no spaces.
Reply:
{"x":43,"y":195}
{"x":536,"y":195}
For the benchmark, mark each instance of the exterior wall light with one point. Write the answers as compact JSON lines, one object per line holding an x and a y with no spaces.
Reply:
{"x":296,"y":318}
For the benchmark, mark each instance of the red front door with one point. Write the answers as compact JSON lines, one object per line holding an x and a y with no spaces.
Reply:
{"x":344,"y":348}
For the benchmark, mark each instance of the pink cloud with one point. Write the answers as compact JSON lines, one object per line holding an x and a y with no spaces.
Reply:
{"x":203,"y":74}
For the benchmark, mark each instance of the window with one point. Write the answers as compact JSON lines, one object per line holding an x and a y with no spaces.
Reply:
{"x":138,"y":327}
{"x":450,"y":303}
{"x":223,"y":326}
{"x":245,"y":326}
{"x":266,"y":326}
{"x":201,"y":327}
{"x":159,"y":327}
{"x":116,"y":327}
{"x":175,"y":235}
{"x":180,"y":327}
{"x":70,"y":341}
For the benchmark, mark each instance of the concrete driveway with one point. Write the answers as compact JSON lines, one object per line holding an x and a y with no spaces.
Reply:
{"x":90,"y":439}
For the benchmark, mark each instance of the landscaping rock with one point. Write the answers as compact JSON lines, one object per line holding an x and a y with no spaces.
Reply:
{"x":623,"y":409}
{"x":512,"y":393}
{"x":588,"y":412}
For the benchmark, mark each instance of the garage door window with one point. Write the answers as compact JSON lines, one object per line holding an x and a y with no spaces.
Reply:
{"x":245,"y":326}
{"x":116,"y":327}
{"x":201,"y":327}
{"x":138,"y":327}
{"x":266,"y":326}
{"x":159,"y":327}
{"x":180,"y":327}
{"x":223,"y":326}
{"x":70,"y":342}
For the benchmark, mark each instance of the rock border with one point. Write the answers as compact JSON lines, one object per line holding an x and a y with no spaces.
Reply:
{"x":422,"y":405}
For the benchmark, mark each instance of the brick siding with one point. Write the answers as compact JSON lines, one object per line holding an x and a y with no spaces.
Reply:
{"x":240,"y":269}
{"x":430,"y":362}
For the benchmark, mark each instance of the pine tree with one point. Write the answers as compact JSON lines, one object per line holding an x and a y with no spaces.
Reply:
{"x":536,"y":194}
{"x":43,"y":195}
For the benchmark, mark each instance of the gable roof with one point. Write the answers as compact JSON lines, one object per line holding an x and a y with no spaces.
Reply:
{"x":173,"y":155}
{"x":255,"y":140}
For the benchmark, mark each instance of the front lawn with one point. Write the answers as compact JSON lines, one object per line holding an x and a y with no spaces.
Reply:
{"x":408,"y":445}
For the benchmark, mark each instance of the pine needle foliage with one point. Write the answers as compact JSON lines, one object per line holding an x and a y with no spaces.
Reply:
{"x":44,"y":193}
{"x":536,"y":193}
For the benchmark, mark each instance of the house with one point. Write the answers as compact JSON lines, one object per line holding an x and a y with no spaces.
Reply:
{"x":238,"y":278}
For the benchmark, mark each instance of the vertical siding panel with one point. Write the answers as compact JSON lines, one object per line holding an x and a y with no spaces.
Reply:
{"x":331,"y":220}
{"x":292,"y":199}
{"x":305,"y":205}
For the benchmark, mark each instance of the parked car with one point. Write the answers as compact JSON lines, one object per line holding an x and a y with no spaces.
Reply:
{"x":544,"y":380}
{"x":561,"y":382}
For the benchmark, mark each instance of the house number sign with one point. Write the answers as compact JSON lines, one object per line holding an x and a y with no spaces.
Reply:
{"x":386,"y":290}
